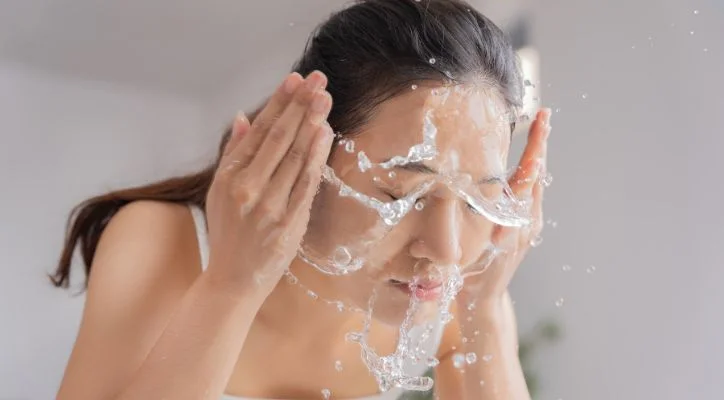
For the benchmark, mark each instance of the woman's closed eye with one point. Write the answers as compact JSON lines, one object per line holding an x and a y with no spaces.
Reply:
{"x":395,"y":197}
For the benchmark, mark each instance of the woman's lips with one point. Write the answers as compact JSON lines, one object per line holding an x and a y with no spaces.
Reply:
{"x":425,"y":291}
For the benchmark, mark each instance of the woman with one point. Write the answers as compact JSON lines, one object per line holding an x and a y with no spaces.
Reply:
{"x":191,"y":305}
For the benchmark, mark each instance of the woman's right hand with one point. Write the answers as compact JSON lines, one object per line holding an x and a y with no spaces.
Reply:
{"x":258,"y":204}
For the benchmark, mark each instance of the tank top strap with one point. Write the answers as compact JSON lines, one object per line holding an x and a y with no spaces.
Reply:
{"x":201,"y":234}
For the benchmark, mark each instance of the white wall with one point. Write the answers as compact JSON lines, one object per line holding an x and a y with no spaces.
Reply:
{"x":637,"y":193}
{"x":62,"y":140}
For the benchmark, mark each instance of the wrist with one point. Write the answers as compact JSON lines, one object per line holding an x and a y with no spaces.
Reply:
{"x":234,"y":289}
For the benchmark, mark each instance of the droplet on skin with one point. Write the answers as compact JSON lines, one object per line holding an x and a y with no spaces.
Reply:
{"x":584,"y":96}
{"x":392,"y":175}
{"x":559,"y":302}
{"x":696,"y":11}
{"x":488,"y":357}
{"x":432,"y":60}
{"x":419,"y":206}
{"x":325,"y":394}
{"x":458,"y":360}
{"x":691,"y":32}
{"x":338,"y":366}
{"x":414,"y":87}
{"x":471,"y":358}
{"x":349,"y":146}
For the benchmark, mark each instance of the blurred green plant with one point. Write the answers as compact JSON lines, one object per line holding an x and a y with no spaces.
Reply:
{"x":545,"y":332}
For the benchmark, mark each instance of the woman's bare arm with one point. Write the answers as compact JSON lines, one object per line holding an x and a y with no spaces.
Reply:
{"x":153,"y":326}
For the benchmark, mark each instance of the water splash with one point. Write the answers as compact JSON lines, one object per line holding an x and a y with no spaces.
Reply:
{"x":388,"y":370}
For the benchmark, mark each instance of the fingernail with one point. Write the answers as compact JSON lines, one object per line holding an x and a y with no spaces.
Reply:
{"x":236,"y":127}
{"x":314,"y":81}
{"x":292,"y":83}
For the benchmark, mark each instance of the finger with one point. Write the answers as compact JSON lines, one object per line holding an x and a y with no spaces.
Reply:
{"x":292,"y":164}
{"x":305,"y":187}
{"x":285,"y":129}
{"x":535,"y":149}
{"x":249,"y":145}
{"x":537,"y":210}
{"x":238,"y":130}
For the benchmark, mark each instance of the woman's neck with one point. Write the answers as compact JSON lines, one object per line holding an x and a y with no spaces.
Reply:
{"x":291,"y":312}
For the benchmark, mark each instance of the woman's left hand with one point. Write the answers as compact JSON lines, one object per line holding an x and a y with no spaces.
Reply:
{"x":511,"y":244}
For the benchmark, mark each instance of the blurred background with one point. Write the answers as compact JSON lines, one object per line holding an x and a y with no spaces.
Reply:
{"x":621,"y":301}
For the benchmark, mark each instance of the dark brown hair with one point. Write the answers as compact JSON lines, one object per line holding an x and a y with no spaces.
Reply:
{"x":371,"y":52}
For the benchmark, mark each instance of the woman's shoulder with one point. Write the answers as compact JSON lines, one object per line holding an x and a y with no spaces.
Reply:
{"x":149,"y":237}
{"x":145,"y":261}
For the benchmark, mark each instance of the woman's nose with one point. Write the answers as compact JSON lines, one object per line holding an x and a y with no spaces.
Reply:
{"x":438,"y":234}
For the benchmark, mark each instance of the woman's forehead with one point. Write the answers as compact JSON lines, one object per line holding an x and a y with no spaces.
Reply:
{"x":471,"y":128}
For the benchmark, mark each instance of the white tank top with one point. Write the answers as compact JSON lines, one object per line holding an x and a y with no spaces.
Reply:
{"x":412,"y":370}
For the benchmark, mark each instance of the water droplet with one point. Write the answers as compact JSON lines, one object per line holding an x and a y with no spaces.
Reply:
{"x":349,"y":146}
{"x":554,"y":224}
{"x":376,"y":179}
{"x":471,"y":306}
{"x":536,"y":241}
{"x":340,"y":306}
{"x":691,"y":32}
{"x":558,"y":109}
{"x":312,"y":295}
{"x":482,"y":383}
{"x":392,"y":175}
{"x":292,"y":279}
{"x":432,"y":60}
{"x":591,"y":269}
{"x":414,"y":87}
{"x":458,"y":360}
{"x":546,"y":179}
{"x":476,"y":333}
{"x":420,"y":205}
{"x":559,"y":302}
{"x":325,"y":394}
{"x":488,"y":357}
{"x":470,"y":358}
{"x":342,"y":257}
{"x":464,"y":339}
{"x":566,"y":268}
{"x":706,"y":50}
{"x":633,"y":47}
{"x":584,"y":96}
{"x":338,"y":365}
{"x":696,"y":11}
{"x":433,"y":362}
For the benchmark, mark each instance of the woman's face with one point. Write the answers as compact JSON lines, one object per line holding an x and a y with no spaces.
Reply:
{"x":406,"y":248}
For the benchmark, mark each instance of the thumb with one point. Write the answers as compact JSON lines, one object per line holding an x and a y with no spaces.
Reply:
{"x":238,"y":130}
